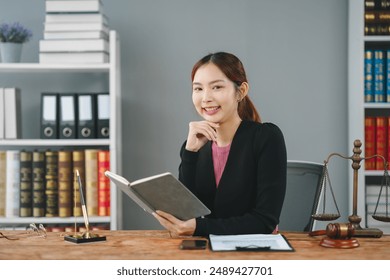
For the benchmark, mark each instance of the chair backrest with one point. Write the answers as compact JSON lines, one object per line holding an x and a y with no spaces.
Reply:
{"x":302,"y":195}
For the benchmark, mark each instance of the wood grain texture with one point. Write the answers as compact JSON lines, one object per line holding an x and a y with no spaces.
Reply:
{"x":158,"y":245}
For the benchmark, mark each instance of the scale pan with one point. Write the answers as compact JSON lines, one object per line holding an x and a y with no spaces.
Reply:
{"x":381,"y":218}
{"x":325,"y":217}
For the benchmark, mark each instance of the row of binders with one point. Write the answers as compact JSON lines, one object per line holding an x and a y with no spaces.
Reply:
{"x":75,"y":115}
{"x":9,"y":113}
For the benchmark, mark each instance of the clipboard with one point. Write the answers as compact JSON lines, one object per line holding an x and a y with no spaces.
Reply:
{"x":250,"y":242}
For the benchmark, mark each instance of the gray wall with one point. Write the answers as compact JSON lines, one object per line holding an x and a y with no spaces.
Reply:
{"x":295,"y":53}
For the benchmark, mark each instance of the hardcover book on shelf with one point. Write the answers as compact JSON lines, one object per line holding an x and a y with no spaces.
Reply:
{"x":65,"y":184}
{"x":103,"y":183}
{"x":78,"y":164}
{"x":369,"y":76}
{"x":76,"y":17}
{"x":73,"y":6}
{"x":3,"y":182}
{"x":379,"y":79}
{"x":61,"y":35}
{"x":381,"y":141}
{"x":161,"y":192}
{"x":51,"y":188}
{"x":81,"y":45}
{"x":75,"y":26}
{"x":91,"y":181}
{"x":26,"y":177}
{"x":73,"y":57}
{"x":387,"y":76}
{"x":370,"y":142}
{"x":39,"y":200}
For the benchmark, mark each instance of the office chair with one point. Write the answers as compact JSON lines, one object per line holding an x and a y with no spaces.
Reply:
{"x":302,"y":195}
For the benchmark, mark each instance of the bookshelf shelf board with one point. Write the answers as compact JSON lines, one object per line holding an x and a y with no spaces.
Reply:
{"x":373,"y":172}
{"x":57,"y":142}
{"x":51,"y":220}
{"x":377,"y":38}
{"x":377,"y":105}
{"x":59,"y":68}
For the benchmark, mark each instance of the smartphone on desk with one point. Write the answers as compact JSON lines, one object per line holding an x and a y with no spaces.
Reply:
{"x":193,"y":244}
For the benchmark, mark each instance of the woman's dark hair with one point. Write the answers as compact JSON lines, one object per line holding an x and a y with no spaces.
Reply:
{"x":234,"y":70}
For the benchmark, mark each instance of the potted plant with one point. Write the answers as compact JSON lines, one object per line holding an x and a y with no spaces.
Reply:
{"x":12,"y":37}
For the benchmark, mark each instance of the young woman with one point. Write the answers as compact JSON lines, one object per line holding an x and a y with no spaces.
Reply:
{"x":232,"y":162}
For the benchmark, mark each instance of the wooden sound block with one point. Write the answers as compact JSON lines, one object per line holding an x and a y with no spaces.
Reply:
{"x":339,"y":243}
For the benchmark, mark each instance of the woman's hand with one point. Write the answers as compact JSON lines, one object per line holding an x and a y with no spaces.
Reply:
{"x":199,"y":133}
{"x":174,"y":225}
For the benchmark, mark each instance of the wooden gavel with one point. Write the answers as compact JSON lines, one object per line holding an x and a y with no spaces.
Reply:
{"x":336,"y":231}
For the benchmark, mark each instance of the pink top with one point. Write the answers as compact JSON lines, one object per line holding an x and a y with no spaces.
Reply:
{"x":220,"y":156}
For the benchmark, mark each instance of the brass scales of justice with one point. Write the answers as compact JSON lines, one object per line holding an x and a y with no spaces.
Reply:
{"x":354,"y":219}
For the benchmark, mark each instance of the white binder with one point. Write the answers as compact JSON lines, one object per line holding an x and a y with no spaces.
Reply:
{"x":12,"y":113}
{"x":2,"y":120}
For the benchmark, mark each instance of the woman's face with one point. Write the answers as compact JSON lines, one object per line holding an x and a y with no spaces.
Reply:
{"x":215,"y":97}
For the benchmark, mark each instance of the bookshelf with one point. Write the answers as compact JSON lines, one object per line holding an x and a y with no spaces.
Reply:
{"x":359,"y":109}
{"x":113,"y":143}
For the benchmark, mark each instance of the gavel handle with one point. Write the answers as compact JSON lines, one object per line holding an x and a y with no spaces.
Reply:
{"x":317,"y":232}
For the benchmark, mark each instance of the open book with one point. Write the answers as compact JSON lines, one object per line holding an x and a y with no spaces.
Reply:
{"x":162,"y":192}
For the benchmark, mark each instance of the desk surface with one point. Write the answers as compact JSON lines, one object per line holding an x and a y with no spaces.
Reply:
{"x":157,"y":244}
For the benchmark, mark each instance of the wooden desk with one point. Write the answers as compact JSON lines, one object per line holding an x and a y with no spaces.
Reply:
{"x":158,"y":245}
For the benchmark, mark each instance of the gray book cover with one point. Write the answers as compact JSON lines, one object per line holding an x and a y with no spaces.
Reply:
{"x":162,"y":192}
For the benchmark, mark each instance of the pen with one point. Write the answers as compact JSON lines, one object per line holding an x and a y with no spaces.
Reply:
{"x":83,"y":206}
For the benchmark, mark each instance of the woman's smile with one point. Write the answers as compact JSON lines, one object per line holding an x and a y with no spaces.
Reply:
{"x":211,"y":110}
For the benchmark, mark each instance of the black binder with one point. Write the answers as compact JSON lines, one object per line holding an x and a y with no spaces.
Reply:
{"x":68,"y":116}
{"x":103,"y":115}
{"x":49,"y":115}
{"x":86,"y":121}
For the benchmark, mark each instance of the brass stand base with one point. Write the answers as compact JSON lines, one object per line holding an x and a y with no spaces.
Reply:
{"x":79,"y":239}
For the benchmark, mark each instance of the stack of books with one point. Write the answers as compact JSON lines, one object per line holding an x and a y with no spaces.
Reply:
{"x":75,"y":31}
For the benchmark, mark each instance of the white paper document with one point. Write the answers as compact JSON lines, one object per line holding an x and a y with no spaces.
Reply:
{"x":250,"y":242}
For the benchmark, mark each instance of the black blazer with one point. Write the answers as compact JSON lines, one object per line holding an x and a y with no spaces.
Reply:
{"x":250,"y":195}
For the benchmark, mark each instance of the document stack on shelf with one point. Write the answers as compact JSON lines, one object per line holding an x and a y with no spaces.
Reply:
{"x":75,"y":31}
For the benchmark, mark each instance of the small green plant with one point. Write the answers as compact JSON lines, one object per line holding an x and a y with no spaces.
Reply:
{"x":14,"y":33}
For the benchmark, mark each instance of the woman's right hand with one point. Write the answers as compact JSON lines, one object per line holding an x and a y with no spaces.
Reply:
{"x":199,"y":133}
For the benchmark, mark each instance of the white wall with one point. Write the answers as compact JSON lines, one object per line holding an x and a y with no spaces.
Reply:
{"x":295,"y":53}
